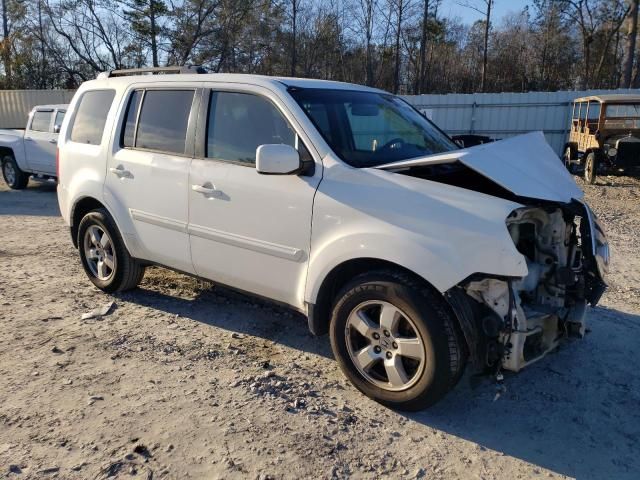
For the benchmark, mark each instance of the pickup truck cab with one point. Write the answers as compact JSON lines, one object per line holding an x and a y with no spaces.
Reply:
{"x":344,"y":203}
{"x":32,"y":151}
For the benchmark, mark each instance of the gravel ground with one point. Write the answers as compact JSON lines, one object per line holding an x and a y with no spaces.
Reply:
{"x":182,"y":379}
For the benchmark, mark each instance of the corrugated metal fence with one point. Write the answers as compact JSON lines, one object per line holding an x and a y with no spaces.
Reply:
{"x":497,"y":115}
{"x":502,"y":115}
{"x":15,"y":105}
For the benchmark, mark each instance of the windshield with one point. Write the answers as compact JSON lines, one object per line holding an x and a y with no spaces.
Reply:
{"x":367,"y":129}
{"x":630,"y":110}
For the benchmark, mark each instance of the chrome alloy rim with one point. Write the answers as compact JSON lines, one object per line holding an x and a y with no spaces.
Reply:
{"x":9,"y":172}
{"x":99,"y":252}
{"x":384,"y":345}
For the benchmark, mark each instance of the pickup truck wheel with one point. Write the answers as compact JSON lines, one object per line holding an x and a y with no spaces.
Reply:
{"x":13,"y":176}
{"x":104,"y":256}
{"x":590,"y":167}
{"x":395,"y":340}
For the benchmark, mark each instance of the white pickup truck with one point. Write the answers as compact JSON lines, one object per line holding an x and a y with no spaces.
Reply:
{"x":32,"y":151}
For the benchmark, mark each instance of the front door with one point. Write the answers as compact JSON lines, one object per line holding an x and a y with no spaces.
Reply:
{"x":148,"y":173}
{"x":40,"y":142}
{"x":248,"y":230}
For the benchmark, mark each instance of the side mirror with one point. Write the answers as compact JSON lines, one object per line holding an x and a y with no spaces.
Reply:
{"x":275,"y":159}
{"x":56,"y":129}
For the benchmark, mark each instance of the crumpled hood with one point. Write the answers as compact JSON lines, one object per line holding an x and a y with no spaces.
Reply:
{"x":525,"y":165}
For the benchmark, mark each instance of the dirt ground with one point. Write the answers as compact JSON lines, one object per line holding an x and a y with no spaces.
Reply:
{"x":185,"y":380}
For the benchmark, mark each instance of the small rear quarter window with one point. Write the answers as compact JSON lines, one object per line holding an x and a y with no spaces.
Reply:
{"x":91,"y":116}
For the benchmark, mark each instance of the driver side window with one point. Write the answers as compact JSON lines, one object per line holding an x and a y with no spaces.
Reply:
{"x":239,"y":123}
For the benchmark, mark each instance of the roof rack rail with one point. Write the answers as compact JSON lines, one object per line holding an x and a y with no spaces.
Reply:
{"x":153,"y":70}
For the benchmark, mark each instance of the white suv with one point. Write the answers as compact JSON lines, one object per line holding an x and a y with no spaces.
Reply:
{"x":344,"y":203}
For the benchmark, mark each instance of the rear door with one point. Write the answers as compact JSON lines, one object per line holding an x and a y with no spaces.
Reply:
{"x":40,"y":142}
{"x":248,"y":230}
{"x":147,"y":174}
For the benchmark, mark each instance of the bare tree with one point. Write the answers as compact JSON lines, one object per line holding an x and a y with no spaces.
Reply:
{"x":629,"y":52}
{"x":295,"y":9}
{"x":423,"y":49}
{"x":486,"y":12}
{"x":365,"y":21}
{"x":399,"y":8}
{"x":192,"y":22}
{"x":145,"y":17}
{"x":598,"y":21}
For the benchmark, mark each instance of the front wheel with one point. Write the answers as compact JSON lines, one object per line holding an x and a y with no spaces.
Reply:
{"x":13,"y":176}
{"x":590,"y":167}
{"x":567,"y":160}
{"x":104,"y":256}
{"x":396,"y":340}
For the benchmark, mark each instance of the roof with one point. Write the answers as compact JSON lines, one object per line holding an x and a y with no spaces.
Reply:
{"x":60,"y":106}
{"x":612,"y":98}
{"x":263,"y":80}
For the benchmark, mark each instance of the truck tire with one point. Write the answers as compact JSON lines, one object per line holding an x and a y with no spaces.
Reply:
{"x":104,"y":255}
{"x":396,"y":341}
{"x":13,"y":176}
{"x":590,"y":168}
{"x":567,"y":158}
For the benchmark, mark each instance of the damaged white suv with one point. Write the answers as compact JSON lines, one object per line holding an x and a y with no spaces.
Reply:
{"x":344,"y":203}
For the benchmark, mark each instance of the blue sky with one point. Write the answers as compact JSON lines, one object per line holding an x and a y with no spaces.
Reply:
{"x":452,"y":8}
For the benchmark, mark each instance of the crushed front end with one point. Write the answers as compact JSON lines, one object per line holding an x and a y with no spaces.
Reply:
{"x":512,"y":322}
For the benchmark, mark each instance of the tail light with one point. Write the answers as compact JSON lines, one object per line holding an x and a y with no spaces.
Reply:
{"x":58,"y":164}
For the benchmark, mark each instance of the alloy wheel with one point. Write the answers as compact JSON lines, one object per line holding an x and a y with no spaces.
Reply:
{"x":99,"y":252}
{"x":385,"y":346}
{"x":9,"y":173}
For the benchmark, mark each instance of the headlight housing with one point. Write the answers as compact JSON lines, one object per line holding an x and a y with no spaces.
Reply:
{"x":612,"y":152}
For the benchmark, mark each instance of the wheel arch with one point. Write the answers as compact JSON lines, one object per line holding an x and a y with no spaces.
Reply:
{"x":319,"y":311}
{"x":16,"y":152}
{"x":84,"y":205}
{"x":4,"y":150}
{"x":80,"y":208}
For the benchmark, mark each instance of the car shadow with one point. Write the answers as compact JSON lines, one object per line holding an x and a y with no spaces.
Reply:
{"x":238,"y":313}
{"x":38,"y":199}
{"x":574,"y":412}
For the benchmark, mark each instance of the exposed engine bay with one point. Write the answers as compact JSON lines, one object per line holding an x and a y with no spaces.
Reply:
{"x":528,"y":316}
{"x":511,"y":322}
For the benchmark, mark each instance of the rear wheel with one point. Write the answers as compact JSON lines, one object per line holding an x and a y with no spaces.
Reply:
{"x":104,"y":256}
{"x":396,"y":341}
{"x":13,"y":176}
{"x":590,"y":167}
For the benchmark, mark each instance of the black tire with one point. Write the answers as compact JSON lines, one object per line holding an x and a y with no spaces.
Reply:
{"x":435,"y":325}
{"x":127,"y":272}
{"x":13,"y":176}
{"x":590,"y":168}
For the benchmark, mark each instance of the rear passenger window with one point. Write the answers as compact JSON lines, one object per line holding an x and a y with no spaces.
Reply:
{"x":163,"y":120}
{"x":240,"y":122}
{"x":91,"y":116}
{"x":41,"y":121}
{"x":129,"y":131}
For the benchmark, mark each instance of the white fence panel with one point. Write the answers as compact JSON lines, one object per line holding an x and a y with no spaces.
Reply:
{"x":503,"y":115}
{"x":15,"y":105}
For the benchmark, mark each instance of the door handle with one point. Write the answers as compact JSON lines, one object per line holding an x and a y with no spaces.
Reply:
{"x":29,"y":139}
{"x":209,"y":191}
{"x":119,"y":171}
{"x":53,"y":140}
